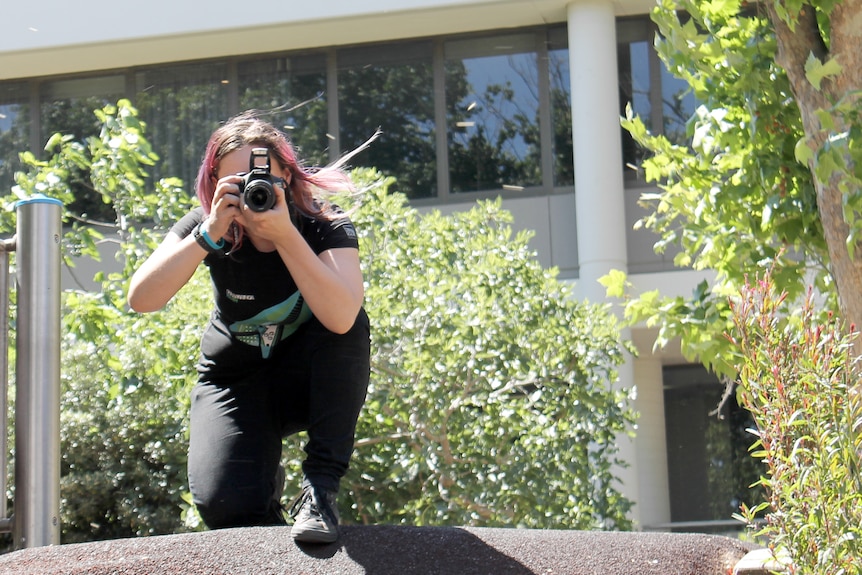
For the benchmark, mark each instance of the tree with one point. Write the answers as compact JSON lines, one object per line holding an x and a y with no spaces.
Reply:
{"x":772,"y":176}
{"x":768,"y":197}
{"x":491,"y":399}
{"x":818,"y":47}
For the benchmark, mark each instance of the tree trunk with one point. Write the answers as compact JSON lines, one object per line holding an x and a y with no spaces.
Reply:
{"x":795,"y":45}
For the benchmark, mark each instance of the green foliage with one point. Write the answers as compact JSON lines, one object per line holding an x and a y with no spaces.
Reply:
{"x":741,"y":198}
{"x":490,"y":401}
{"x":797,"y":377}
{"x":124,"y":413}
{"x":736,"y":199}
{"x":124,"y":376}
{"x":123,"y":464}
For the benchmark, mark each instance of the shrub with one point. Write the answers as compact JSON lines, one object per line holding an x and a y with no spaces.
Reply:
{"x":797,"y":376}
{"x":492,"y":398}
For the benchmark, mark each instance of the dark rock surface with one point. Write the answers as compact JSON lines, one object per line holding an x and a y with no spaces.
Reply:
{"x":384,"y":550}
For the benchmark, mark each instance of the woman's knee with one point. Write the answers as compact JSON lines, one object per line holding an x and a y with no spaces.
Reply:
{"x":231,"y":506}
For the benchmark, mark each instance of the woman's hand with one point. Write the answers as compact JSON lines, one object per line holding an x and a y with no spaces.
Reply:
{"x":226,"y":207}
{"x":271,"y":226}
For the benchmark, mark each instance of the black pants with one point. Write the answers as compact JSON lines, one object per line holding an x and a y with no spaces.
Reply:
{"x":316,"y":382}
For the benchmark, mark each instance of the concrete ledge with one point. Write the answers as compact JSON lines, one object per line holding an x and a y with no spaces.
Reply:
{"x":763,"y":562}
{"x":384,"y":550}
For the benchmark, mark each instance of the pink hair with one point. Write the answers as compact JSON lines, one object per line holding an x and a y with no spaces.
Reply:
{"x":308,"y":185}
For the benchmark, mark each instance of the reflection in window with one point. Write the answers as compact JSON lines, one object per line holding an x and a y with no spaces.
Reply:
{"x":181,"y":106}
{"x":678,"y":105}
{"x":710,"y":469}
{"x":634,"y":80}
{"x":292,"y":93}
{"x":561,"y":107}
{"x":662,"y":101}
{"x":14,"y":131}
{"x":391,"y":88}
{"x":492,"y":113}
{"x":67,"y":107}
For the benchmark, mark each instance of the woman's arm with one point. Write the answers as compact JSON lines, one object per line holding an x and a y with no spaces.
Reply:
{"x":174,"y":262}
{"x":162,"y":275}
{"x":330,"y":283}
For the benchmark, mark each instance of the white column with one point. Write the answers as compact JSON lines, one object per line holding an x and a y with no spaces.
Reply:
{"x":597,"y":143}
{"x":599,"y":187}
{"x":654,"y":505}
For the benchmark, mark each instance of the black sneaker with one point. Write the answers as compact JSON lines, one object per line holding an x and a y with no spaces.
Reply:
{"x":315,"y":516}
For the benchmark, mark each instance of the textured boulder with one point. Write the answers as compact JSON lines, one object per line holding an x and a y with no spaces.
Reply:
{"x":396,"y":550}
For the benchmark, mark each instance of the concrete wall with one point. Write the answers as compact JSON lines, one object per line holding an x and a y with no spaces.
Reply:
{"x":55,"y":37}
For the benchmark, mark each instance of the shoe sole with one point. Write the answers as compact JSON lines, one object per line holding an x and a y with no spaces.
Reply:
{"x":313,"y":536}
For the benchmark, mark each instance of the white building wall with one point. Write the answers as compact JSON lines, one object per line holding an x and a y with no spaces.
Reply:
{"x":55,"y":37}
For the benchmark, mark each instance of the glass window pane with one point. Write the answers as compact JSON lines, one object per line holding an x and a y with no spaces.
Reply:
{"x":678,"y":106}
{"x":291,"y":91}
{"x":561,"y":107}
{"x":634,"y":80}
{"x":492,"y":113}
{"x":392,"y":88}
{"x":67,"y":107}
{"x":710,"y":469}
{"x":14,"y":131}
{"x":181,"y":106}
{"x":663,"y":102}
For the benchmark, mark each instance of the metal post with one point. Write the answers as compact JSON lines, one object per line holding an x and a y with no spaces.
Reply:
{"x":36,"y":520}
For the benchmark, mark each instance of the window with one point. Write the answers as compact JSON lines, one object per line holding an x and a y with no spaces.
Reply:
{"x":291,"y":91}
{"x":478,"y":114}
{"x":633,"y":63}
{"x":492,"y":112}
{"x":181,"y":106}
{"x":662,"y":101}
{"x":678,"y":105}
{"x":67,"y":107}
{"x":561,"y":107}
{"x":14,"y":131}
{"x":710,"y":470}
{"x":392,"y":88}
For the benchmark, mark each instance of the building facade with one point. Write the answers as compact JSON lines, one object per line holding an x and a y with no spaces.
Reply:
{"x":475,"y":98}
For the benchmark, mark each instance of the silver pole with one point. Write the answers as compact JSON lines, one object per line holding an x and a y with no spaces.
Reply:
{"x":37,"y":423}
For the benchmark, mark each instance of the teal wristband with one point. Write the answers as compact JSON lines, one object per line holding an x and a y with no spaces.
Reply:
{"x":206,"y":242}
{"x":209,"y":240}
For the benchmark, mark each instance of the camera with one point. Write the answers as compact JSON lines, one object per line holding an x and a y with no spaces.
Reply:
{"x":257,"y":184}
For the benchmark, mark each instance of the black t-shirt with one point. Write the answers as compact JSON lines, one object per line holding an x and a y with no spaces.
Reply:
{"x":257,"y":303}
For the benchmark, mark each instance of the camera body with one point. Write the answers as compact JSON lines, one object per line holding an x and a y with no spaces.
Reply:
{"x":256,"y":190}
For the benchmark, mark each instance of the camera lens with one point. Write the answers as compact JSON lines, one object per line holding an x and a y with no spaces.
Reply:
{"x":259,"y":195}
